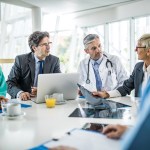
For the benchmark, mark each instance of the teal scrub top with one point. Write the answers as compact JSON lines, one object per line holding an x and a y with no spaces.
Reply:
{"x":3,"y":86}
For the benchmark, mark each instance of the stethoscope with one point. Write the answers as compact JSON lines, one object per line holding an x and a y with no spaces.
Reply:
{"x":88,"y":73}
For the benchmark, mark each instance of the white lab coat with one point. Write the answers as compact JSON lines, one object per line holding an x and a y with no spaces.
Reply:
{"x":109,"y":81}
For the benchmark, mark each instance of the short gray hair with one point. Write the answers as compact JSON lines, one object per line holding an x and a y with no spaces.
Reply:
{"x":89,"y":38}
{"x":145,"y":40}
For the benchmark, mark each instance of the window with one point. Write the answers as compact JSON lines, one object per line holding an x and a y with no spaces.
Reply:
{"x":66,"y":23}
{"x":142,"y":26}
{"x":63,"y":49}
{"x":119,"y":41}
{"x":15,"y":27}
{"x":97,"y":30}
{"x":49,"y":22}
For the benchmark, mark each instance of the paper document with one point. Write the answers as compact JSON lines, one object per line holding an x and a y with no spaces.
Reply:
{"x":86,"y":140}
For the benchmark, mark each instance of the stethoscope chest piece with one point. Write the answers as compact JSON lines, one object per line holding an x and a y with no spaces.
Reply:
{"x":88,"y":81}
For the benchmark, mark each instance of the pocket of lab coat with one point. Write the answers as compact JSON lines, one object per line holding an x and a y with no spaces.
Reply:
{"x":111,"y":82}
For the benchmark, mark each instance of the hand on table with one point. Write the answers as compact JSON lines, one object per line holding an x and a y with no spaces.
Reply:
{"x":79,"y":93}
{"x":2,"y":98}
{"x":114,"y":131}
{"x":24,"y":96}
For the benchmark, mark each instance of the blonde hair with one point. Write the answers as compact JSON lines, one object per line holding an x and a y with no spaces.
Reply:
{"x":145,"y":40}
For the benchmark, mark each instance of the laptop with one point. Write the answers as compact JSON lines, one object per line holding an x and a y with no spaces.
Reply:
{"x":65,"y":83}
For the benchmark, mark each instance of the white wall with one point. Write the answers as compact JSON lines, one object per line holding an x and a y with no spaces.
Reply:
{"x":136,"y":9}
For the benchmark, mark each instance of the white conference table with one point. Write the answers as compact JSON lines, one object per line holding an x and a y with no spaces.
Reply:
{"x":40,"y":123}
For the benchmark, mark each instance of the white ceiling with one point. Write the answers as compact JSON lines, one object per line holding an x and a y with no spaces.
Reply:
{"x":70,"y":6}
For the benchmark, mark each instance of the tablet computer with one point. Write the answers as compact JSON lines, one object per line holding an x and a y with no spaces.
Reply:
{"x":93,"y":100}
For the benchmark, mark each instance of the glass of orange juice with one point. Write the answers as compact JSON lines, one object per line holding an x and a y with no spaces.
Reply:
{"x":50,"y":101}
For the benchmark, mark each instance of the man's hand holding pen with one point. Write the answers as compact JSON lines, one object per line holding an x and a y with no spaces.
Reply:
{"x":33,"y":91}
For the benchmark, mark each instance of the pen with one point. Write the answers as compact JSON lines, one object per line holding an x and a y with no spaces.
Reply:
{"x":69,"y":133}
{"x":55,"y":139}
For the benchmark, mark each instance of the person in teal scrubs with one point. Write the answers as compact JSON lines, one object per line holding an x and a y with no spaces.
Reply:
{"x":3,"y":86}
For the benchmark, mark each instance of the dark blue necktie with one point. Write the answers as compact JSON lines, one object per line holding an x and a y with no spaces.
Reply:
{"x":40,"y":71}
{"x":97,"y":76}
{"x":41,"y":66}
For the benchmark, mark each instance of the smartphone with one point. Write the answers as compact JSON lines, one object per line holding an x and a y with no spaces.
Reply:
{"x":97,"y":127}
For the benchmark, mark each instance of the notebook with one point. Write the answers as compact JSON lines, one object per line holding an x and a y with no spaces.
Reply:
{"x":82,"y":140}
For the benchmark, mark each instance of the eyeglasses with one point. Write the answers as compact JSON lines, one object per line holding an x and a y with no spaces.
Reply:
{"x":45,"y":44}
{"x":136,"y":49}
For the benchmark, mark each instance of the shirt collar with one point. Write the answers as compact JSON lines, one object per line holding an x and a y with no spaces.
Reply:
{"x":98,"y":61}
{"x":146,"y":69}
{"x":36,"y":59}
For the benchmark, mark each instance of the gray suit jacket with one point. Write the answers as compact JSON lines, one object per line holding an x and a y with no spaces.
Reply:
{"x":134,"y":82}
{"x":22,"y":74}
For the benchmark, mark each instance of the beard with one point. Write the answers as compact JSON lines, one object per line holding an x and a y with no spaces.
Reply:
{"x":97,"y":56}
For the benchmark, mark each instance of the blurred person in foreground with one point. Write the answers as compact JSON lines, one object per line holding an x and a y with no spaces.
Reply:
{"x":138,"y":136}
{"x":3,"y":87}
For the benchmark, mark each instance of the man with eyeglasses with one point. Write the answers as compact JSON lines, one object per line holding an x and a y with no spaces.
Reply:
{"x":22,"y":80}
{"x":99,"y":70}
{"x":140,"y":75}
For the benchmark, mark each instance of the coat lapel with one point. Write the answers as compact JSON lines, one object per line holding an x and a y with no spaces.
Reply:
{"x":47,"y":64}
{"x":32,"y":66}
{"x":140,"y":75}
